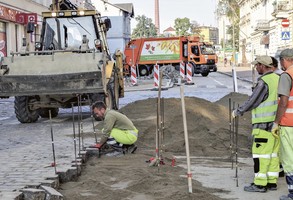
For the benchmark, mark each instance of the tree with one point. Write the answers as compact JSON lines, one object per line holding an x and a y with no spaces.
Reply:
{"x":182,"y":26}
{"x":230,"y":8}
{"x":194,"y":28}
{"x":144,"y":28}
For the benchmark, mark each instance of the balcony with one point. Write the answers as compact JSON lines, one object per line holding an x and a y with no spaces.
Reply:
{"x":281,"y":8}
{"x":262,"y":25}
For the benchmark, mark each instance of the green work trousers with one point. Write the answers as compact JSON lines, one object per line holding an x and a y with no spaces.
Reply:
{"x":124,"y":136}
{"x":265,"y":152}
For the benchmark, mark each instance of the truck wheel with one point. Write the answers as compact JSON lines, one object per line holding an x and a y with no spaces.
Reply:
{"x":44,"y":112}
{"x":215,"y":69}
{"x":22,"y":110}
{"x":205,"y":73}
{"x":143,"y":70}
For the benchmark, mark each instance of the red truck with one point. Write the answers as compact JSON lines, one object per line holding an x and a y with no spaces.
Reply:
{"x":144,"y":53}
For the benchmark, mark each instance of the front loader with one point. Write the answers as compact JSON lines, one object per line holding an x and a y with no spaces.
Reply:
{"x":71,"y":61}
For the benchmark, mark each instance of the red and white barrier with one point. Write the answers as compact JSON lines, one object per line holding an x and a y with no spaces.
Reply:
{"x":133,"y":75}
{"x":189,"y":74}
{"x":156,"y":75}
{"x":182,"y":70}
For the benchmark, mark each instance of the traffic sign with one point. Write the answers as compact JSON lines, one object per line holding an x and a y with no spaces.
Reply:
{"x":285,"y":35}
{"x":285,"y":23}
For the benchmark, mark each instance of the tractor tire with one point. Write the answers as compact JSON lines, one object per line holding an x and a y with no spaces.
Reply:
{"x":109,"y":99}
{"x":22,"y":110}
{"x":44,"y":112}
{"x":116,"y":91}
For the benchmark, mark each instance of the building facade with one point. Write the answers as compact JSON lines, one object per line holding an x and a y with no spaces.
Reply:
{"x":14,"y":18}
{"x":261,"y":30}
{"x":120,"y":15}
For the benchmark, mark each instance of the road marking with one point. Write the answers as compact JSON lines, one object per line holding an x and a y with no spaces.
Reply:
{"x":216,"y":81}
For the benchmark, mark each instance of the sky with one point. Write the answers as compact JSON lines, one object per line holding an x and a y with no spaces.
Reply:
{"x":201,"y":11}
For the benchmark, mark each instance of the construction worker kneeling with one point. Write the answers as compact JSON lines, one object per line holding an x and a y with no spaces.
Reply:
{"x":118,"y":131}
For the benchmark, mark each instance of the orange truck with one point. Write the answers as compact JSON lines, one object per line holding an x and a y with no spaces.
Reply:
{"x":144,"y":53}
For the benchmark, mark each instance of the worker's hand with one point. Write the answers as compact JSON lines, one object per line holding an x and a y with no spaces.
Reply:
{"x":234,"y":114}
{"x":275,"y":130}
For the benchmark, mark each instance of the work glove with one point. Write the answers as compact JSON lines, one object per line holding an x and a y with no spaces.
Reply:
{"x":98,"y":145}
{"x":275,"y":130}
{"x":234,"y":114}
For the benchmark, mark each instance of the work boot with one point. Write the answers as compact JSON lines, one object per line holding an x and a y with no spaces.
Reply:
{"x":272,"y":186}
{"x":115,"y":154}
{"x":255,"y":188}
{"x":132,"y":148}
{"x":285,"y":197}
{"x":129,"y":148}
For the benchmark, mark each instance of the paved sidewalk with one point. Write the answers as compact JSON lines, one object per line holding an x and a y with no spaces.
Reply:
{"x":243,"y":73}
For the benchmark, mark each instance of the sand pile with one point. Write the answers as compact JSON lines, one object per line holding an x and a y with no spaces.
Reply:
{"x":208,"y":125}
{"x":131,"y":178}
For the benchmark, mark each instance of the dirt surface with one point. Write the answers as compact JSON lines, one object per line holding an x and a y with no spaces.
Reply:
{"x":131,"y":178}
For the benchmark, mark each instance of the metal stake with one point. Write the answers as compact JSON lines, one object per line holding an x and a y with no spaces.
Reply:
{"x":92,"y":117}
{"x":52,"y":139}
{"x":78,"y":118}
{"x":74,"y":137}
{"x":230,"y":127}
{"x":236,"y":150}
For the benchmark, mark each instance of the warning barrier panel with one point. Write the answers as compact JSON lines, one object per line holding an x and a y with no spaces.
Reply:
{"x":156,"y":75}
{"x":133,"y":75}
{"x":182,"y":70}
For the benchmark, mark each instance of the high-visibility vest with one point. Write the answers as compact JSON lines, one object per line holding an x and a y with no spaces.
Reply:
{"x":266,"y":111}
{"x":287,"y":118}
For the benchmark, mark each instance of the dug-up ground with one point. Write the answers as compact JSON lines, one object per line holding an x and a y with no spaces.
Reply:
{"x":215,"y":176}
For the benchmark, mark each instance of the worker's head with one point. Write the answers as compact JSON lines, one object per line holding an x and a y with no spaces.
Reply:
{"x":286,"y":58}
{"x":263,"y":64}
{"x":275,"y":62}
{"x":99,"y":109}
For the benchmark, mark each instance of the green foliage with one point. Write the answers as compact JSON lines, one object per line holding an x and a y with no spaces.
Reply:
{"x":145,"y":28}
{"x":182,"y":26}
{"x":230,"y":8}
{"x":194,"y":28}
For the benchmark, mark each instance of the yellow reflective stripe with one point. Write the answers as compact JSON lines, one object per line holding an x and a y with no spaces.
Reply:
{"x":289,"y":173}
{"x":260,"y":175}
{"x":261,"y":156}
{"x":268,"y":114}
{"x":274,"y":155}
{"x":132,"y":132}
{"x":266,"y":103}
{"x":275,"y":174}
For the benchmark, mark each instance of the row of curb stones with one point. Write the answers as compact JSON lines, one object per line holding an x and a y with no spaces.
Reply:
{"x":47,"y":190}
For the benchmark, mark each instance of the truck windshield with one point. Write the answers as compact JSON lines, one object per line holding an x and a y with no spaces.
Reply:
{"x":67,"y":33}
{"x":207,"y":49}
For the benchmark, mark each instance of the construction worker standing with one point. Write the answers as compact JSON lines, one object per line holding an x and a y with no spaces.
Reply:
{"x":263,"y":106}
{"x":283,"y":124}
{"x":118,"y":132}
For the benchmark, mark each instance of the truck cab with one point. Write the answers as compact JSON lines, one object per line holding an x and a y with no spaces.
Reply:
{"x":203,"y":57}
